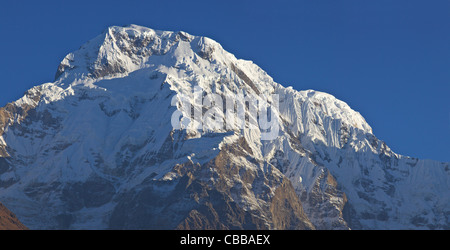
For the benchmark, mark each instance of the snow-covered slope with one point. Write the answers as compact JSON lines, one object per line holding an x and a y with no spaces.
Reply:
{"x":96,"y":149}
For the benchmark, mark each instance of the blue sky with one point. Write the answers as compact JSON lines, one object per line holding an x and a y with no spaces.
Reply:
{"x":389,"y":60}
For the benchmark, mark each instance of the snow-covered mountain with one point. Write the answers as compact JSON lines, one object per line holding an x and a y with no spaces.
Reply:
{"x":96,"y":149}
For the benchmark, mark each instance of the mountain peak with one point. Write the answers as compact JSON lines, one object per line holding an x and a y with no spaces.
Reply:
{"x":120,"y":50}
{"x":117,"y":50}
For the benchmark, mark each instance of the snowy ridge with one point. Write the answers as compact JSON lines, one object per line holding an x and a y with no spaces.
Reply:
{"x":97,"y":145}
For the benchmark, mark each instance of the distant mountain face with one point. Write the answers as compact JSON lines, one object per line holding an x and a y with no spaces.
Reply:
{"x":9,"y":221}
{"x":99,"y":148}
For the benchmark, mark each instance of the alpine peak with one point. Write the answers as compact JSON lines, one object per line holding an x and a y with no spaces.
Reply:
{"x":121,"y":50}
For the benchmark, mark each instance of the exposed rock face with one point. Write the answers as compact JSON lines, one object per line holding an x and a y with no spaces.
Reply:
{"x":96,"y":149}
{"x":213,"y":196}
{"x":9,"y":221}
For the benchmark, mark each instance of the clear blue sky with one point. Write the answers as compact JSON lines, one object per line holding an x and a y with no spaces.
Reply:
{"x":389,"y":60}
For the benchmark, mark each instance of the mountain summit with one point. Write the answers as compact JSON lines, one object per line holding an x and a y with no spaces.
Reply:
{"x":99,"y":148}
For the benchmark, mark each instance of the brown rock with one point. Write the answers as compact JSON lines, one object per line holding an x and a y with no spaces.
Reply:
{"x":9,"y":221}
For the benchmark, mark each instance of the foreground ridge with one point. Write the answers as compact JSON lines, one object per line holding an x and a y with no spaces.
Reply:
{"x":9,"y":221}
